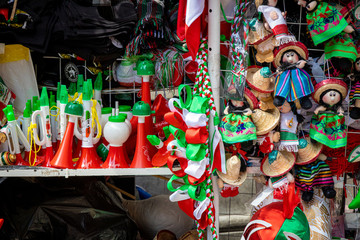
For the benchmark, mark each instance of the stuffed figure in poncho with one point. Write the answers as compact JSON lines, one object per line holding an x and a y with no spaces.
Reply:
{"x":293,"y":81}
{"x":311,"y":171}
{"x":327,"y":25}
{"x":328,"y":122}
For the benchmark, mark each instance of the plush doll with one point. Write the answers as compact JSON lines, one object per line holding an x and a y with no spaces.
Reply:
{"x":311,"y":171}
{"x":237,"y":126}
{"x":355,"y":90}
{"x":274,"y":20}
{"x":258,"y":79}
{"x":328,"y":122}
{"x":235,"y":176}
{"x":289,"y":119}
{"x":292,"y":81}
{"x":327,"y":25}
{"x":280,"y":184}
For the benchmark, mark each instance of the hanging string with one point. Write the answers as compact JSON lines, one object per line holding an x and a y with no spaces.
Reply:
{"x":30,"y":134}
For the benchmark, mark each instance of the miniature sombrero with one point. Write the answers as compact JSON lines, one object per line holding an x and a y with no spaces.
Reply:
{"x":307,"y":151}
{"x":258,"y":33}
{"x":251,"y":99}
{"x":259,"y":79}
{"x":233,"y":174}
{"x":299,"y":47}
{"x":329,"y":84}
{"x":265,"y":121}
{"x":277,"y":163}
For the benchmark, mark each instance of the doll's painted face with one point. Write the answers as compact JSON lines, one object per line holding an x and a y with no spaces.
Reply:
{"x":272,"y":3}
{"x":290,"y":57}
{"x":285,"y":108}
{"x":357,"y":65}
{"x":331,"y":98}
{"x":237,"y":103}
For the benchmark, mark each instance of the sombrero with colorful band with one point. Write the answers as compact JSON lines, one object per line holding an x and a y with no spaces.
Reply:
{"x":308,"y":152}
{"x":256,"y":79}
{"x":251,"y":99}
{"x":329,"y":84}
{"x":298,"y":47}
{"x":277,"y":163}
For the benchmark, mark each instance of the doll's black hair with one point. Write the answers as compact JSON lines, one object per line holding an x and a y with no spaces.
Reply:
{"x":299,"y":117}
{"x":344,"y":65}
{"x":233,"y":108}
{"x":336,"y":106}
{"x":265,"y":2}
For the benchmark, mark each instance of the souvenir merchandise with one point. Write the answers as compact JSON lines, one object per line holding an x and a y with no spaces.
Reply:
{"x":237,"y":126}
{"x":279,"y":220}
{"x":265,"y":121}
{"x":267,"y":141}
{"x":328,"y":122}
{"x":289,"y":120}
{"x":277,"y":163}
{"x":263,"y":41}
{"x":292,"y":81}
{"x":280,"y":185}
{"x":317,"y":212}
{"x":355,"y":90}
{"x":234,"y":177}
{"x":324,"y":21}
{"x":274,"y":21}
{"x":312,"y":171}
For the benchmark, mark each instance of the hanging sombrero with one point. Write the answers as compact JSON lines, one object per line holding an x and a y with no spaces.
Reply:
{"x":258,"y":79}
{"x":329,"y":84}
{"x":298,"y":47}
{"x":277,"y":163}
{"x":308,"y":152}
{"x":265,"y":121}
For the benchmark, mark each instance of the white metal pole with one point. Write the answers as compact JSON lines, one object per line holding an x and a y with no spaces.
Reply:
{"x":214,"y":71}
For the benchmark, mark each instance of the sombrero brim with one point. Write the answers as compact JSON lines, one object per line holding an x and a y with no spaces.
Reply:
{"x":266,"y":169}
{"x":329,"y":84}
{"x":237,"y":182}
{"x":317,"y":150}
{"x":250,"y":80}
{"x":252,"y":100}
{"x":289,"y":46}
{"x":265,"y":128}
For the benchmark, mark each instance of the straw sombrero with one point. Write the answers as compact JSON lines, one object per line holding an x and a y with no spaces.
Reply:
{"x":307,"y":151}
{"x":258,"y":33}
{"x":258,"y":79}
{"x":233,"y":174}
{"x":329,"y":84}
{"x":258,"y":3}
{"x":298,"y":47}
{"x":251,"y":99}
{"x":265,"y":121}
{"x":277,"y":163}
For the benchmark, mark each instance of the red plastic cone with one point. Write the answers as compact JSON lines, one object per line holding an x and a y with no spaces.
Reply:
{"x":116,"y":158}
{"x":49,"y":155}
{"x":63,"y":157}
{"x":142,"y":158}
{"x":88,"y":159}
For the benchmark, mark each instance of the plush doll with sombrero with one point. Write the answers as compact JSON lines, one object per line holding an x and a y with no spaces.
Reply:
{"x":235,"y":176}
{"x":274,"y":20}
{"x":327,"y":25}
{"x":292,"y":82}
{"x":328,"y":122}
{"x":355,"y":89}
{"x":236,"y":126}
{"x":277,"y":163}
{"x":262,"y":86}
{"x":262,"y":40}
{"x":311,"y":171}
{"x":279,"y":221}
{"x":266,"y":122}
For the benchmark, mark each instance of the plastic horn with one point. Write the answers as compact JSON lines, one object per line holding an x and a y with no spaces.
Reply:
{"x":98,"y":85}
{"x":13,"y":139}
{"x":44,"y":119}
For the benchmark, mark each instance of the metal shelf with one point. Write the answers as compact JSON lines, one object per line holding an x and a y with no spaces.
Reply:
{"x":26,"y":171}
